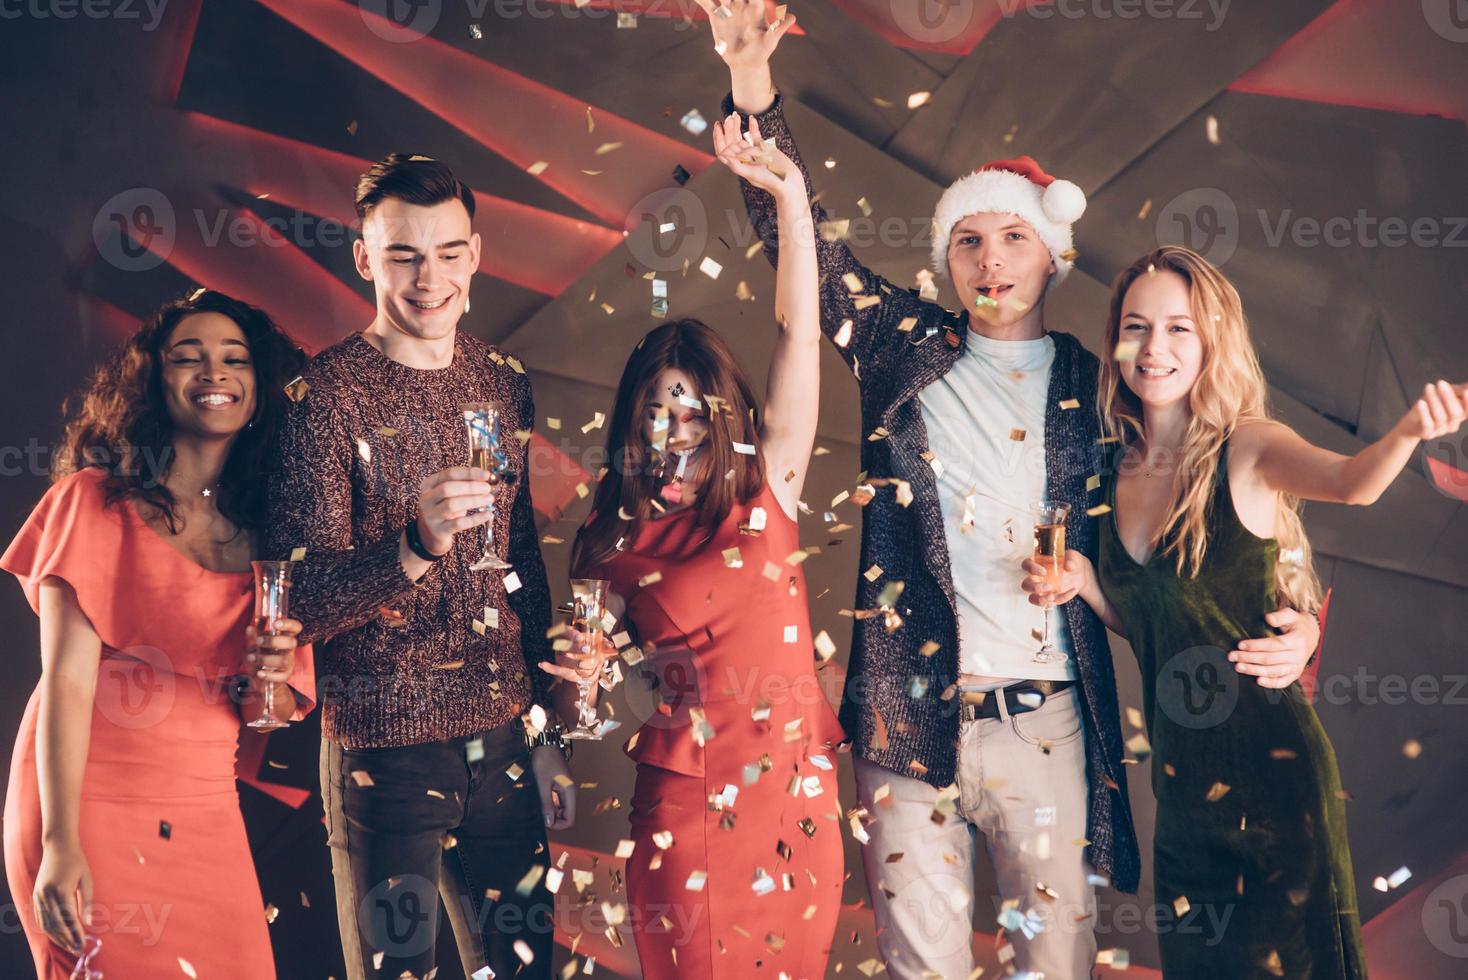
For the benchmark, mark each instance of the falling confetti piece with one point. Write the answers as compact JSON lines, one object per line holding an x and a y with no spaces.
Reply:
{"x":1212,"y":128}
{"x":918,"y":99}
{"x":694,"y":122}
{"x":710,"y":268}
{"x":537,"y":168}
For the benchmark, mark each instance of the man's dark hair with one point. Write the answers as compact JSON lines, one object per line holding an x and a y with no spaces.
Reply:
{"x":410,"y":177}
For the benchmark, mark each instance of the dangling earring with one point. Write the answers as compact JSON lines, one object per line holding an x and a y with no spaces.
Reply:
{"x":466,"y":304}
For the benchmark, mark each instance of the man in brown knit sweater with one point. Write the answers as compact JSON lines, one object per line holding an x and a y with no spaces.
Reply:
{"x":426,"y":666}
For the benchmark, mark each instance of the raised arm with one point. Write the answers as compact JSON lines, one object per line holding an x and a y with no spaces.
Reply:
{"x":864,"y":331}
{"x":1285,"y":462}
{"x":792,"y":399}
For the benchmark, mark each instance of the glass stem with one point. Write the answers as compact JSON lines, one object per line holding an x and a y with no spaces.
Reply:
{"x":489,"y":527}
{"x":583,"y":709}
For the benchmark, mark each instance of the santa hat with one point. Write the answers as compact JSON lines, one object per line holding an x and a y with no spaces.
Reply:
{"x":1018,"y":187}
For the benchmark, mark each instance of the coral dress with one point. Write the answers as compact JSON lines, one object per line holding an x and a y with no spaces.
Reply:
{"x":159,"y":817}
{"x":737,"y":867}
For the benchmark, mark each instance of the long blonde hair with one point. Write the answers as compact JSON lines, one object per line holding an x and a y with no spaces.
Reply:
{"x":1230,"y":389}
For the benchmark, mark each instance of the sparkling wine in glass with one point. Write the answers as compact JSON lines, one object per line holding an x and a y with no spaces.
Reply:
{"x":588,"y":606}
{"x":487,"y":452}
{"x":1050,"y":552}
{"x":272,"y":601}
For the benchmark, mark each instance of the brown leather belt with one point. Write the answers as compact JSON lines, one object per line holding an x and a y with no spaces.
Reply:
{"x":1018,"y":699}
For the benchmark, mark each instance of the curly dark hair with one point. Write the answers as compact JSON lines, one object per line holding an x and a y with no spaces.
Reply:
{"x":120,"y":423}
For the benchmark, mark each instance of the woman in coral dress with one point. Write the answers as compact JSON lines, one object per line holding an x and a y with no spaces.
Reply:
{"x":124,"y":842}
{"x":736,"y":868}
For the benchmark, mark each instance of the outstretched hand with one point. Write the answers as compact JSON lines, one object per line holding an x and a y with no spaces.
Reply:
{"x":766,"y":167}
{"x":742,"y":37}
{"x":1439,"y":412}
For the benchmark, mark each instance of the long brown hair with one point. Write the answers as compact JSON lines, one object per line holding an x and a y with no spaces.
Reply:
{"x":1230,"y":389}
{"x":625,"y":493}
{"x":120,"y":423}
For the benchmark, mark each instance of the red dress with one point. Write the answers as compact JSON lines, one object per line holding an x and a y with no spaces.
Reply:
{"x":159,"y":817}
{"x":737,"y":867}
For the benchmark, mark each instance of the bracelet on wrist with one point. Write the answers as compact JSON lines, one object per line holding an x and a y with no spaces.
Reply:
{"x":551,"y":735}
{"x":415,"y":543}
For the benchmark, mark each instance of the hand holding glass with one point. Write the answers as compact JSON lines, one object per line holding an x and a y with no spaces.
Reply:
{"x":482,"y":422}
{"x":588,"y":607}
{"x":1050,"y":553}
{"x":272,"y":600}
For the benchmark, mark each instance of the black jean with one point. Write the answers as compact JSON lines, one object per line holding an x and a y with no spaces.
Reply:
{"x":409,"y":824}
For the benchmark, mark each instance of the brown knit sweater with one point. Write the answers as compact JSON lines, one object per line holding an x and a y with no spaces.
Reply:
{"x":402,"y":662}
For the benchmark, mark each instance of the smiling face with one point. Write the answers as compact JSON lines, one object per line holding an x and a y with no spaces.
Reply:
{"x":688,"y":426}
{"x":999,"y":257}
{"x":421,"y":260}
{"x":208,"y":376}
{"x":1157,"y":314}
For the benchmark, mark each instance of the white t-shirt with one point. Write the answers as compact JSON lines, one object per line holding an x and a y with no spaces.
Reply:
{"x":975,"y":415}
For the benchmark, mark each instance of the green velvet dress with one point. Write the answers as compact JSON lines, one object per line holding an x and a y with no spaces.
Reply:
{"x":1251,"y":865}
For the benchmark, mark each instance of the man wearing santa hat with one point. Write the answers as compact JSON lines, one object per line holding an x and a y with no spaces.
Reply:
{"x":960,"y":726}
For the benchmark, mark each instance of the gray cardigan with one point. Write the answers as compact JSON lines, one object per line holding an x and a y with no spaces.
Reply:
{"x":893,"y":705}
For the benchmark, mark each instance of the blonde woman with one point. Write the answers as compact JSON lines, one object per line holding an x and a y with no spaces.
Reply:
{"x":1203,"y":539}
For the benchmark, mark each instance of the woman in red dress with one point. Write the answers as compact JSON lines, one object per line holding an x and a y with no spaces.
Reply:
{"x":124,"y":843}
{"x":736,"y":869}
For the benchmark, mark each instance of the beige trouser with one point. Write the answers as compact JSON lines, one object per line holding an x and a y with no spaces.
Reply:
{"x":1031,"y":807}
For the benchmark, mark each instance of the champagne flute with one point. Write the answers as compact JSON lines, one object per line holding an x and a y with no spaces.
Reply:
{"x":272,"y":593}
{"x":588,"y":606}
{"x":487,"y":452}
{"x":1050,"y":552}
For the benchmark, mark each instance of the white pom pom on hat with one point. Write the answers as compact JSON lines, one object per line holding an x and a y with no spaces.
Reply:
{"x":1020,"y":187}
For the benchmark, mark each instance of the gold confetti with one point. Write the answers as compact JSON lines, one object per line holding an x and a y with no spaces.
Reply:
{"x":1146,"y":209}
{"x":296,"y":389}
{"x":1070,"y":403}
{"x":918,"y":99}
{"x":709,"y":267}
{"x":298,"y":554}
{"x":606,"y":148}
{"x":537,"y":168}
{"x":1126,"y":350}
{"x":1016,"y":435}
{"x":835,"y":231}
{"x":1098,"y":510}
{"x":1217,"y":792}
{"x":1212,"y":130}
{"x":1411,"y":748}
